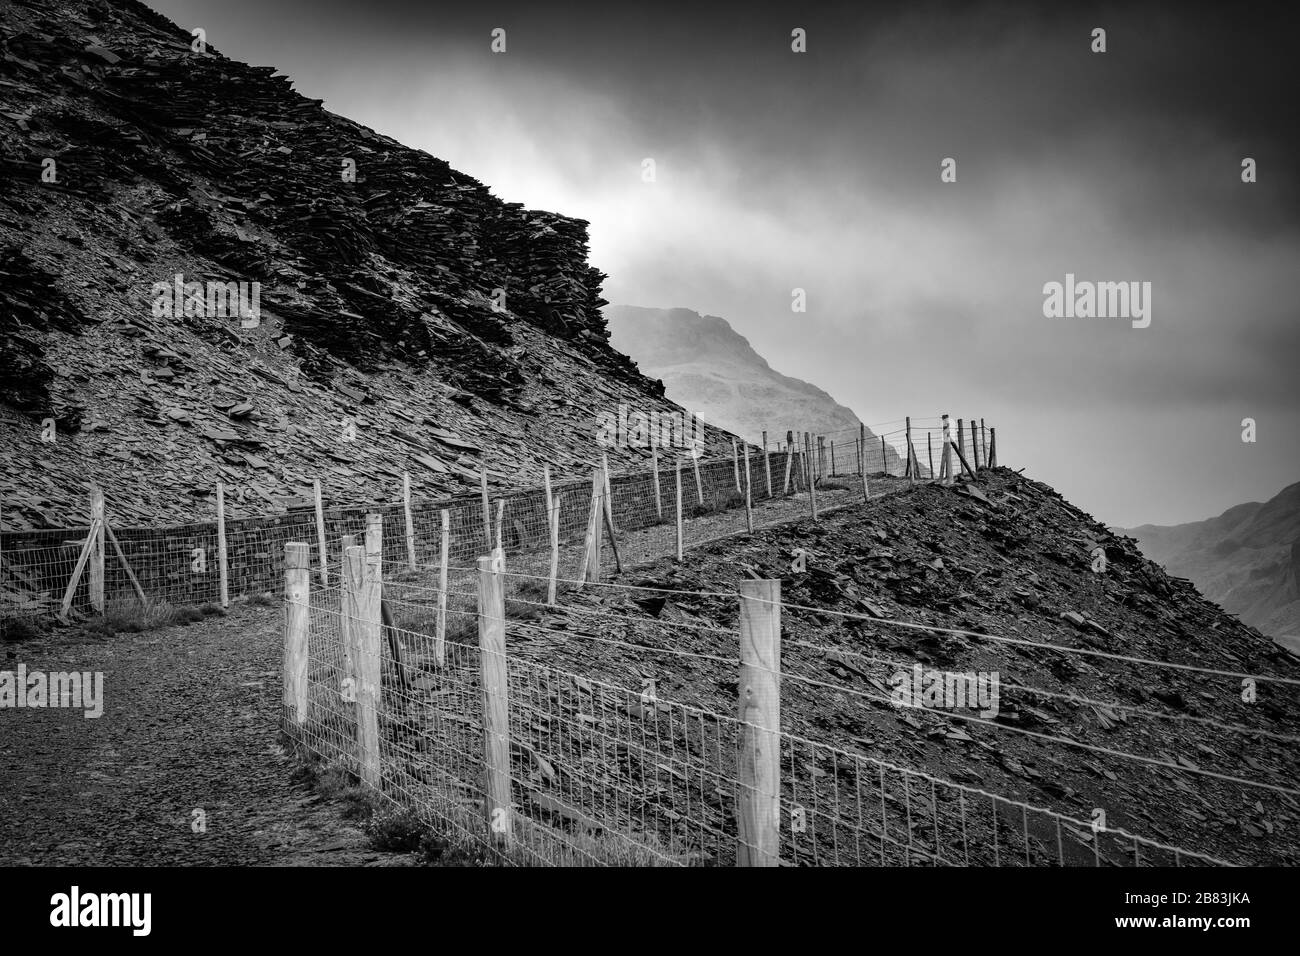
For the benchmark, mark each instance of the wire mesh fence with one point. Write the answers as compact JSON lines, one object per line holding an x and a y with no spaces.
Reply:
{"x":601,"y":766}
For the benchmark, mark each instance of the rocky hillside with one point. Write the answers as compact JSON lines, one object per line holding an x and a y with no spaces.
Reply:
{"x":706,"y":366}
{"x":1008,"y":566}
{"x":1247,"y":560}
{"x":396,"y":315}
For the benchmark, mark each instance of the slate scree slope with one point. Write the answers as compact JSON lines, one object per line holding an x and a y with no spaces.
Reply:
{"x":408,"y":319}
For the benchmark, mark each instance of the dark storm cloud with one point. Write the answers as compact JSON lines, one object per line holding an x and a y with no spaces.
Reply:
{"x":820,"y":171}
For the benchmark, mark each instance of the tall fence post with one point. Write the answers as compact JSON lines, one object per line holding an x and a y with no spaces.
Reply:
{"x":961,"y":440}
{"x":812,"y":484}
{"x":884,"y":459}
{"x":496,"y":708}
{"x":591,"y":543}
{"x":758,"y":792}
{"x":347,"y":621}
{"x":974,"y":445}
{"x":993,"y":447}
{"x":297,"y":622}
{"x":929,"y":451}
{"x":440,"y":626}
{"x":96,"y":569}
{"x":767,"y":465}
{"x":911,"y":455}
{"x":223,"y":559}
{"x":677,"y":477}
{"x":410,"y":524}
{"x":368,"y":659}
{"x":553,"y":526}
{"x":320,"y":533}
{"x":749,"y":507}
{"x":735,"y":464}
{"x":834,"y":472}
{"x":984,"y":442}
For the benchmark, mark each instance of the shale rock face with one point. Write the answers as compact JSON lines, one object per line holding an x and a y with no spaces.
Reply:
{"x":405,"y":318}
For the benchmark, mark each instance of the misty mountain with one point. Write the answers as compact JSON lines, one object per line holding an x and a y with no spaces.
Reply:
{"x":1246,"y":560}
{"x":710,"y":368}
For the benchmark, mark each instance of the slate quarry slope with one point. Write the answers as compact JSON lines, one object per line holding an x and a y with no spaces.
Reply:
{"x":409,"y":320}
{"x":1017,"y":566}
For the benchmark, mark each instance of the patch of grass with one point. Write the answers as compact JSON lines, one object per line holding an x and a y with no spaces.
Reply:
{"x":264,"y":599}
{"x":130,"y":617}
{"x":15,"y":630}
{"x":395,"y":830}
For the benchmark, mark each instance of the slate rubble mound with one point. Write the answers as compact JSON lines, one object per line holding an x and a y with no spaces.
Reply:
{"x":130,"y":158}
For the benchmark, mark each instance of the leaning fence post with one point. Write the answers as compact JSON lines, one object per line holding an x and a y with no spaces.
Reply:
{"x":677,"y":477}
{"x":758,"y":792}
{"x":223,"y":561}
{"x":297,"y":618}
{"x":789,"y":461}
{"x":370,"y":570}
{"x":496,"y":709}
{"x":320,"y":533}
{"x":440,"y":627}
{"x":96,"y":569}
{"x":410,"y":525}
{"x":699,"y":485}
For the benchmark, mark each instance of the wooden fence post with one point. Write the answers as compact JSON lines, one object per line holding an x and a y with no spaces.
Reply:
{"x":789,"y":461}
{"x":929,"y":452}
{"x":347,"y":618}
{"x":945,"y":461}
{"x":440,"y":627}
{"x":735,"y":464}
{"x":368,"y":657}
{"x":96,"y":570}
{"x":699,"y":485}
{"x":410,"y":525}
{"x":677,"y":477}
{"x":812,"y":486}
{"x":821,"y":456}
{"x":909,"y":472}
{"x":758,"y":794}
{"x":501,"y":511}
{"x":984,"y":443}
{"x":553,"y":525}
{"x":223,"y":560}
{"x":591,"y":543}
{"x":961,"y":440}
{"x":884,"y":459}
{"x":320,"y":534}
{"x":767,"y":466}
{"x":993,"y":447}
{"x":654,"y":463}
{"x":749,"y":507}
{"x":833,"y":472}
{"x":297,"y":622}
{"x":496,"y":708}
{"x":974,"y":445}
{"x":487,"y":508}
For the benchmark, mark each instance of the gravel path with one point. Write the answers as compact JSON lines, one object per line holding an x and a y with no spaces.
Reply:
{"x":190,"y":722}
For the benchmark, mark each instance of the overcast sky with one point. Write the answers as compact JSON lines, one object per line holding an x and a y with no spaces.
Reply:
{"x":821,"y":171}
